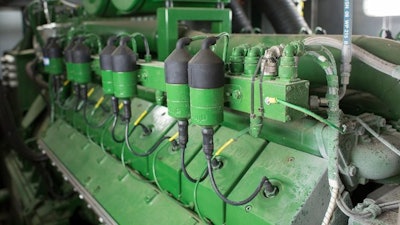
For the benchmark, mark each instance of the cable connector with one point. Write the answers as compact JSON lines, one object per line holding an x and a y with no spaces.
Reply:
{"x":114,"y":103}
{"x":208,"y":142}
{"x":183,"y":133}
{"x":127,"y":110}
{"x":270,"y":100}
{"x":270,"y":190}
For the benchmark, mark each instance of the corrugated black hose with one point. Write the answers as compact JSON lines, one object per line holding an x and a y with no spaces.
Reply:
{"x":241,"y":23}
{"x":284,"y":17}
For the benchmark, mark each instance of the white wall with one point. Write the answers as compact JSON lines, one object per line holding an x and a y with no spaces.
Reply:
{"x":330,"y":17}
{"x":10,"y":29}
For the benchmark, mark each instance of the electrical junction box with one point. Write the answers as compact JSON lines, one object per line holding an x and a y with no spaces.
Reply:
{"x":295,"y":92}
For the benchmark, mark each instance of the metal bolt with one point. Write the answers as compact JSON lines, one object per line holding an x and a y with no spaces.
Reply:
{"x":88,"y":206}
{"x":290,"y":159}
{"x":271,"y":194}
{"x":80,"y":196}
{"x":352,"y":170}
{"x":65,"y":178}
{"x":288,"y":88}
{"x":53,"y":163}
{"x":101,"y":220}
{"x":248,"y":208}
{"x":236,"y":94}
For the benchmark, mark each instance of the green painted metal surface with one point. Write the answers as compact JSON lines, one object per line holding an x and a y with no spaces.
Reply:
{"x":99,"y":7}
{"x":235,"y":162}
{"x":55,"y":66}
{"x":103,"y":168}
{"x":70,"y":70}
{"x":124,"y":84}
{"x":159,"y":122}
{"x":206,"y":106}
{"x":137,"y":6}
{"x":167,"y":162}
{"x":151,"y":75}
{"x":111,"y":185}
{"x":168,"y":19}
{"x":107,"y":82}
{"x":297,"y":201}
{"x":295,"y":92}
{"x":82,"y":73}
{"x":178,"y":100}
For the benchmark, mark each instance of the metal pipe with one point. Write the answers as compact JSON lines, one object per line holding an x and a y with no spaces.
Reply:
{"x":346,"y":48}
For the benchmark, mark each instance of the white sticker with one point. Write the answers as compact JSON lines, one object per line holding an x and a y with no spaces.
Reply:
{"x":46,"y":61}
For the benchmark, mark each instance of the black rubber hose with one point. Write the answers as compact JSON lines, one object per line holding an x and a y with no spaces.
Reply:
{"x":284,"y":17}
{"x":10,"y":129}
{"x":241,"y":23}
{"x":185,"y":172}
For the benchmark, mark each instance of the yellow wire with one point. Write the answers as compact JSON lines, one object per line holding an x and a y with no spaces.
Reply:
{"x":120,"y":105}
{"x":137,"y":121}
{"x":90,"y":92}
{"x":66,"y":82}
{"x":171,"y":139}
{"x":98,"y":103}
{"x":224,"y":146}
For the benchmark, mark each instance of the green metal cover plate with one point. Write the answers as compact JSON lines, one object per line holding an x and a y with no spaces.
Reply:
{"x":236,"y":158}
{"x":294,"y":92}
{"x":303,"y":189}
{"x":108,"y":186}
{"x":158,"y":120}
{"x":167,"y":165}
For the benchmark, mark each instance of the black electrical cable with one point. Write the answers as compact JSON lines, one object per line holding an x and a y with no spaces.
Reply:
{"x":145,"y":42}
{"x":261,"y":109}
{"x":114,"y":124}
{"x":264,"y":182}
{"x":100,"y":125}
{"x":59,"y":104}
{"x":77,"y":91}
{"x":185,"y":172}
{"x":252,"y":86}
{"x":147,"y":153}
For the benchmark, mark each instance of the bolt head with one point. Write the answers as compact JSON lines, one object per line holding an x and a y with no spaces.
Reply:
{"x":352,"y":171}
